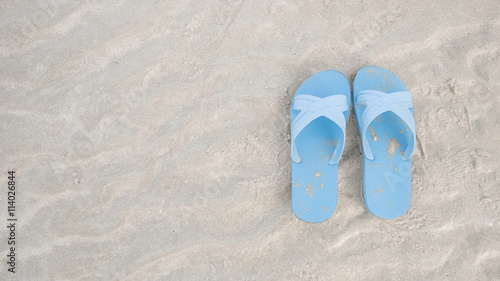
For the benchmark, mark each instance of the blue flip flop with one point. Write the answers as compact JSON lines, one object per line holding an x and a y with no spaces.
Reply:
{"x":384,"y":115}
{"x":319,"y":113}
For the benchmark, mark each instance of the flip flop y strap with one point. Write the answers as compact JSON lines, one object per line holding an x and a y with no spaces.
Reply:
{"x":376,"y":103}
{"x":313,"y":107}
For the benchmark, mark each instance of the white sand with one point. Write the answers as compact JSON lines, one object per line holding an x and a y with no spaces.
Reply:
{"x":151,"y":139}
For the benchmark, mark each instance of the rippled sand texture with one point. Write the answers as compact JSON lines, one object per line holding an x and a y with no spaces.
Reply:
{"x":151,"y":139}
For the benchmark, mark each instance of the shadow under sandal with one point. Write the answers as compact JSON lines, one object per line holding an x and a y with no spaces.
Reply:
{"x":319,"y":114}
{"x":384,"y":115}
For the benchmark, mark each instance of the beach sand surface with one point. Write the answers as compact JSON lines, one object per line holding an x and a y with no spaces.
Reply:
{"x":151,"y":141}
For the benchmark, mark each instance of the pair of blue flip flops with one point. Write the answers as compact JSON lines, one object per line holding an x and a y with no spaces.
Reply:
{"x":384,"y":115}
